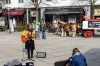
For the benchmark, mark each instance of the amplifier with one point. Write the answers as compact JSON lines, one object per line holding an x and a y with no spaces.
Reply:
{"x":41,"y":55}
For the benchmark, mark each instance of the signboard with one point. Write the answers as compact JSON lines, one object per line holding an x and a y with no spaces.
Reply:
{"x":93,"y":24}
{"x":14,"y":22}
{"x":85,"y":25}
{"x":11,"y":26}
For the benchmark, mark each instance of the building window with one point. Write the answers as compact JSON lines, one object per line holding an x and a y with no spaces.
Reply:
{"x":34,"y":1}
{"x":20,"y":1}
{"x":48,"y":0}
{"x":8,"y":1}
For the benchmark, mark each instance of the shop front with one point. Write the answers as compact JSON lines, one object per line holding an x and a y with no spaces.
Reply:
{"x":16,"y":16}
{"x":68,"y":15}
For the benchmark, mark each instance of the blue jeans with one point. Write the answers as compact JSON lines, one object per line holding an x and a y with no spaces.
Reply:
{"x":37,"y":35}
{"x":43,"y":35}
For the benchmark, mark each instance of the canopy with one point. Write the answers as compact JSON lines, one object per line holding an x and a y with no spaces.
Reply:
{"x":63,"y":10}
{"x":13,"y":12}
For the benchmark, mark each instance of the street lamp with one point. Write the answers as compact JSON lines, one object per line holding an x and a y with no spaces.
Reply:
{"x":9,"y":19}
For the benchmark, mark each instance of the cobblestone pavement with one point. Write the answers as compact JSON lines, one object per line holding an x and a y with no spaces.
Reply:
{"x":57,"y":48}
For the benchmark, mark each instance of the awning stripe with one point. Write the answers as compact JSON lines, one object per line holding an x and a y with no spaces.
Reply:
{"x":12,"y":12}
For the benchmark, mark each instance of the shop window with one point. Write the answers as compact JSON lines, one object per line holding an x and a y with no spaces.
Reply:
{"x":34,"y":1}
{"x":20,"y":1}
{"x":8,"y":1}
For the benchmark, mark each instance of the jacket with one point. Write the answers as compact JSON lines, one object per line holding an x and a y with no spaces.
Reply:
{"x":78,"y":60}
{"x":43,"y":27}
{"x":25,"y":32}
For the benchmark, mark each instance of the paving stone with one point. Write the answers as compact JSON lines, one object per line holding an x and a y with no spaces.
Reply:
{"x":57,"y":49}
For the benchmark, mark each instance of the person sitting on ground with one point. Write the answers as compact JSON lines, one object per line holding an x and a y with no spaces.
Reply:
{"x":77,"y":59}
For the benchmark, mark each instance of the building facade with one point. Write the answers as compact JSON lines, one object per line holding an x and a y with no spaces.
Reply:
{"x":66,"y":10}
{"x":49,"y":10}
{"x":19,"y":11}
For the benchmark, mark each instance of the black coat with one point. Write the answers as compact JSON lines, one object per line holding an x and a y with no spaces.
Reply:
{"x":30,"y":45}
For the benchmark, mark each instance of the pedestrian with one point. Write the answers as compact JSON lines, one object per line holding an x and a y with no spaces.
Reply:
{"x":29,"y":32}
{"x":43,"y":28}
{"x":78,"y":59}
{"x":36,"y":26}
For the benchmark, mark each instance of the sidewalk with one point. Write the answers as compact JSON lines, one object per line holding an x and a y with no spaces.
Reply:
{"x":57,"y":48}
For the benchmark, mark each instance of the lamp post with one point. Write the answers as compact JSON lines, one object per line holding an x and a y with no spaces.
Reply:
{"x":9,"y":19}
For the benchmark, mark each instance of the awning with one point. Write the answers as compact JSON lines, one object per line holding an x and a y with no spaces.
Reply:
{"x":63,"y":11}
{"x":14,"y":12}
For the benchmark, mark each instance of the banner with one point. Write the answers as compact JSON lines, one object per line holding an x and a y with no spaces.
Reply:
{"x":14,"y":22}
{"x":93,"y":24}
{"x":11,"y":26}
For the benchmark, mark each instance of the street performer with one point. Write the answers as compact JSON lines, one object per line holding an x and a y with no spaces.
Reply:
{"x":29,"y":32}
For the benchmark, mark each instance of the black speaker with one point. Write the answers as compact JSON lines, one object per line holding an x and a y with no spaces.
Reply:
{"x":29,"y":64}
{"x":41,"y":55}
{"x":61,"y":63}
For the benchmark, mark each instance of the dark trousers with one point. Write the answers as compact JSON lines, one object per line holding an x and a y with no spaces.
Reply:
{"x":30,"y":46}
{"x":30,"y":53}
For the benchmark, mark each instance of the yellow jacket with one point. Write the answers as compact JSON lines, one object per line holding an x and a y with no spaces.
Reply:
{"x":25,"y":32}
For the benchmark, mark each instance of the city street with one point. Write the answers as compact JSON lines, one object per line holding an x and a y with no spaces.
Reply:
{"x":57,"y":48}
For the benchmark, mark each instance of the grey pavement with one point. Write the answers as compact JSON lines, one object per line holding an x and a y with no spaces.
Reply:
{"x":57,"y":48}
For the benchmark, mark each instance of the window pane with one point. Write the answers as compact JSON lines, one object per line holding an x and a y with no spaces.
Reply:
{"x":20,"y":1}
{"x":9,"y":1}
{"x":6,"y":1}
